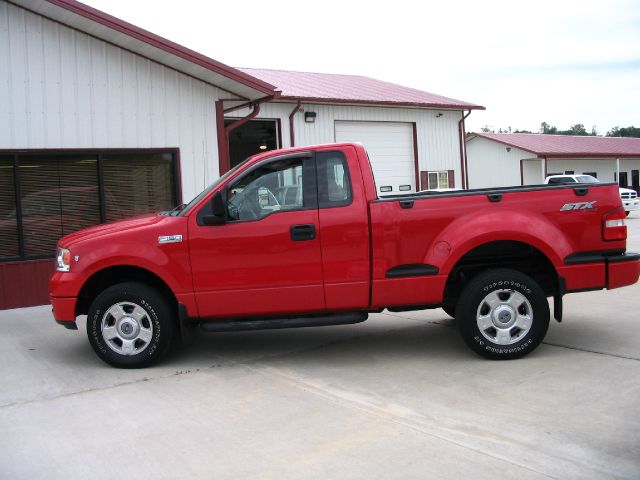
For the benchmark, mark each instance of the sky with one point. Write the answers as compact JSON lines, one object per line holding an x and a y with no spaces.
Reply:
{"x":562,"y":62}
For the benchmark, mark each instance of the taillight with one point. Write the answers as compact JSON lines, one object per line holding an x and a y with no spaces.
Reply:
{"x":613,"y":227}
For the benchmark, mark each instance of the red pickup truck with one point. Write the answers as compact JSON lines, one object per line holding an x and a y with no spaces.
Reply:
{"x":300,"y":237}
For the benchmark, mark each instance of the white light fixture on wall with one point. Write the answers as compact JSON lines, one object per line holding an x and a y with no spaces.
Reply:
{"x":309,"y":117}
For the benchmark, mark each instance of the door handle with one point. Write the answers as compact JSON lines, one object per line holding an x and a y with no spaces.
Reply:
{"x":300,"y":233}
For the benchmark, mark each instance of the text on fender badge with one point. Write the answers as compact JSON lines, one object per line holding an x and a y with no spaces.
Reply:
{"x":170,"y":239}
{"x":578,"y":206}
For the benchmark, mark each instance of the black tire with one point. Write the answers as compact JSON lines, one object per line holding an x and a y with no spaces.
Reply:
{"x":627,"y":213}
{"x":144,"y":331}
{"x":517,"y":298}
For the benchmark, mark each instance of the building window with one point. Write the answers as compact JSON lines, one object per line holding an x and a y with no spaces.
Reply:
{"x":51,"y":194}
{"x":9,"y":220}
{"x":437,"y":180}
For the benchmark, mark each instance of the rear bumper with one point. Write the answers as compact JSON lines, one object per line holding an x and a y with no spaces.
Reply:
{"x":594,"y":270}
{"x":64,"y":308}
{"x":623,"y":270}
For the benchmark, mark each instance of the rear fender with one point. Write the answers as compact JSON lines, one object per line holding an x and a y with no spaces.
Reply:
{"x":470,"y":231}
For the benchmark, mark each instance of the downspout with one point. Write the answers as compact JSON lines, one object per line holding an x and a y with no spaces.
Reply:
{"x":463,"y":152}
{"x":464,"y":136}
{"x":224,"y":131}
{"x":292,"y":135}
{"x":242,"y":121}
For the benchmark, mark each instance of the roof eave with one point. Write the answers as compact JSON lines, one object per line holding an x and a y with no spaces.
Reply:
{"x":343,"y":101}
{"x":589,"y":155}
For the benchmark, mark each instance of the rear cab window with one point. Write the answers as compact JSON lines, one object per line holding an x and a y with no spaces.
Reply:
{"x":334,"y":182}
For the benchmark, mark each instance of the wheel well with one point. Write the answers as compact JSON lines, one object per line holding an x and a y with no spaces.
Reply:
{"x":503,"y":254}
{"x":103,"y":279}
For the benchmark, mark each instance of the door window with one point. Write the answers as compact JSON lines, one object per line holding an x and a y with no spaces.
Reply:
{"x":281,"y":185}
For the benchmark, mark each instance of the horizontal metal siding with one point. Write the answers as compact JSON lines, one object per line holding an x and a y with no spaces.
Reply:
{"x":61,"y":88}
{"x":533,"y":172}
{"x":24,"y":284}
{"x":604,"y":167}
{"x":437,"y":136}
{"x":491,"y":165}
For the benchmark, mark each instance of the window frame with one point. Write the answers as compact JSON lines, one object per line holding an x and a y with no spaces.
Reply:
{"x":309,"y":192}
{"x":98,"y":153}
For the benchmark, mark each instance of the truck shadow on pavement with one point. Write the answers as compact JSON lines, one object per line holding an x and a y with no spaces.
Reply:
{"x":352,"y":343}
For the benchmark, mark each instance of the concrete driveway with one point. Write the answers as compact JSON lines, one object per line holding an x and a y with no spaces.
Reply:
{"x":399,"y":396}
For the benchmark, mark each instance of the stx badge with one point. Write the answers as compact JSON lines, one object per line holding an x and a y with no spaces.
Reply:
{"x":578,"y":206}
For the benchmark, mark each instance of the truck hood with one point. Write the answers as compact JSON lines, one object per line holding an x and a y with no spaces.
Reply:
{"x":136,"y":223}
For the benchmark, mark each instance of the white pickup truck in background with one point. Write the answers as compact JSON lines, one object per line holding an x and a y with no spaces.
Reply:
{"x":629,"y":197}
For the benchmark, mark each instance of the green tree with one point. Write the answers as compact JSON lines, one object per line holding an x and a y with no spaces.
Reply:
{"x":624,"y":132}
{"x":548,"y":129}
{"x":577,"y":129}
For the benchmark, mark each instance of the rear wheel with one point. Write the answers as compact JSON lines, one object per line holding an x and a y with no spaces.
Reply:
{"x":130,"y":325}
{"x":503,"y":314}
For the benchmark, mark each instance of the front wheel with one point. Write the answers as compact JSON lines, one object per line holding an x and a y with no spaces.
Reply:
{"x":130,"y":325}
{"x":503,"y":314}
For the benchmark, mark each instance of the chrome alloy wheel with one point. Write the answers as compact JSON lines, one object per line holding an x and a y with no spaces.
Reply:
{"x":504,"y":316}
{"x":127,"y":328}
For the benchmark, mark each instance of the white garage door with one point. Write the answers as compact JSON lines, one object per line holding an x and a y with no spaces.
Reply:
{"x":390,"y":148}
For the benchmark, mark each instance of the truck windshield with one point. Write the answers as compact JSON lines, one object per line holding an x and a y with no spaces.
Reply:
{"x":209,"y":189}
{"x":587,"y":179}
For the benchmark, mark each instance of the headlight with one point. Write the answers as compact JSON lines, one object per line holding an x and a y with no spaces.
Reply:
{"x":63,"y":260}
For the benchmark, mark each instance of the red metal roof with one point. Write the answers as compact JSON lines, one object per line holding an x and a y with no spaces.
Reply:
{"x":567,"y":145}
{"x":334,"y":88}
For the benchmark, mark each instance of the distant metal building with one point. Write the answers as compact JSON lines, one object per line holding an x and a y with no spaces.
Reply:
{"x":101,"y":120}
{"x":499,"y":159}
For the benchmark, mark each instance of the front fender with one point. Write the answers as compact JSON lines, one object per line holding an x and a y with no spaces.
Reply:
{"x":169,"y":262}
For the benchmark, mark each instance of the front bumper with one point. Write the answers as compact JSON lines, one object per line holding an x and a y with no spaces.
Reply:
{"x":64,"y":308}
{"x":631,"y":205}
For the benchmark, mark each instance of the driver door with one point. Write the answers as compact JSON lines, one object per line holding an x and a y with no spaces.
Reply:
{"x":265,"y":259}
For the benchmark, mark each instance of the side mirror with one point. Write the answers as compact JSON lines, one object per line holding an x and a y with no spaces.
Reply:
{"x":219,"y":209}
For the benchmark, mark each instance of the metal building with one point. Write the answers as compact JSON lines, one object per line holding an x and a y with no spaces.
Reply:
{"x":412,"y":137}
{"x":501,"y":159}
{"x":102,"y":120}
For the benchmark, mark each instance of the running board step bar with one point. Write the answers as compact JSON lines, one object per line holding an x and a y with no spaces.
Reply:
{"x":289,"y":322}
